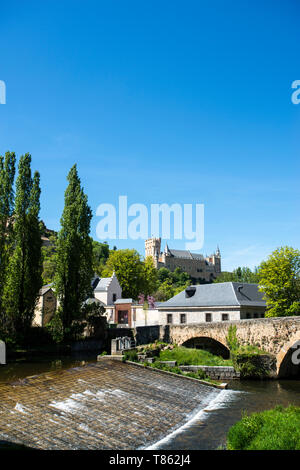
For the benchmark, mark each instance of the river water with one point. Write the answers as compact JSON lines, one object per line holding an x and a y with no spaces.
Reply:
{"x":205,"y":428}
{"x":209,"y":429}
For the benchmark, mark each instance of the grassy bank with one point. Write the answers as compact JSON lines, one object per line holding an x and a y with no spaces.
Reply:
{"x":277,"y":429}
{"x":189,"y":356}
{"x":183,"y":356}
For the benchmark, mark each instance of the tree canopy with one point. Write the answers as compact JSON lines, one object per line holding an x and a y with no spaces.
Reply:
{"x":239,"y":275}
{"x":279,"y":279}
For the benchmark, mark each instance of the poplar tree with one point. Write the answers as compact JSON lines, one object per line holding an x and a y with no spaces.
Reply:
{"x":74,"y":261}
{"x":23,"y":279}
{"x":7,"y":175}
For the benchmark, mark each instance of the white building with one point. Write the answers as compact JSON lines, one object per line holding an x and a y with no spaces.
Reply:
{"x":213,"y":303}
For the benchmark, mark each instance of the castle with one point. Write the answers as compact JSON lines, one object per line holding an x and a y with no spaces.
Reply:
{"x":201,"y":269}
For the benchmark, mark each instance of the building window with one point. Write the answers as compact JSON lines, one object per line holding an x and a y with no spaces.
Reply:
{"x":169,"y":318}
{"x":248,"y":315}
{"x":182,"y":318}
{"x":256,"y":315}
{"x":225,"y":317}
{"x":114,"y":297}
{"x":123,"y":316}
{"x":208,"y":317}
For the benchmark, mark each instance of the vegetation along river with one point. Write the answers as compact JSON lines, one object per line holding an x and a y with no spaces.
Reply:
{"x":117,"y":406}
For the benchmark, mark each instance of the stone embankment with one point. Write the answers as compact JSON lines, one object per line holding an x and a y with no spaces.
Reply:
{"x":214,"y":372}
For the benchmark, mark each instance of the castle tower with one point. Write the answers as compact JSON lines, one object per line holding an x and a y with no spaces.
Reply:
{"x":152,"y":248}
{"x":217,"y":260}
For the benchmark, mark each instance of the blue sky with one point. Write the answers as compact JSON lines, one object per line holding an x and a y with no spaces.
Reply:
{"x":172,"y":101}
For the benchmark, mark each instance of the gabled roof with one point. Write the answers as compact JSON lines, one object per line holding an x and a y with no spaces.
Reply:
{"x":45,"y":289}
{"x":102,"y":284}
{"x":180,"y":253}
{"x":217,"y":295}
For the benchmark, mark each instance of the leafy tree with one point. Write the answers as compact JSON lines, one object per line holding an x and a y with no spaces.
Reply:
{"x":279,"y":279}
{"x":74,"y":254}
{"x":100,"y":256}
{"x":23,"y":279}
{"x":239,"y":275}
{"x":171,"y":283}
{"x":7,"y":174}
{"x":129,"y":270}
{"x":150,"y":276}
{"x":49,"y":260}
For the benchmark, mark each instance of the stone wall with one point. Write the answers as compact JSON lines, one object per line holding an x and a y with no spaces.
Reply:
{"x":148,"y":334}
{"x":273,"y":335}
{"x":215,"y":372}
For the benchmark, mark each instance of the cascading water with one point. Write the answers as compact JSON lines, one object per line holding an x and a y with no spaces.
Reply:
{"x":107,"y":405}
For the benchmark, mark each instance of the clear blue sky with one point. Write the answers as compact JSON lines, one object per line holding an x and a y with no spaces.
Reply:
{"x":162,"y":101}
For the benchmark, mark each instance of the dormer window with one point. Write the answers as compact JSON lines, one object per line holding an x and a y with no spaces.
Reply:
{"x":190,"y":291}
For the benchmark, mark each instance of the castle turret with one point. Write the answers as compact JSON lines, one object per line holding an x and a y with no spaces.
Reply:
{"x":152,"y":248}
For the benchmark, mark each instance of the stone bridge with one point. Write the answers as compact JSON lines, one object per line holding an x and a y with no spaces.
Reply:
{"x":276,"y":336}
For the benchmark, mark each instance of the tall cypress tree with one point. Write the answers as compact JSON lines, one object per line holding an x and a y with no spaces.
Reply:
{"x":7,"y":175}
{"x":24,"y":279}
{"x":74,"y":254}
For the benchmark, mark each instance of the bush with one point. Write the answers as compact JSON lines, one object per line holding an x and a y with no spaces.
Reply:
{"x":277,"y":429}
{"x":130,"y":356}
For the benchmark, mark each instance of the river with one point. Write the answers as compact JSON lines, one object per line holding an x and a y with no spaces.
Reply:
{"x":208,"y":430}
{"x":207,"y":426}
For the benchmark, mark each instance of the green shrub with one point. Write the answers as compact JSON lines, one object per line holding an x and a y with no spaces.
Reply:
{"x":231,"y":339}
{"x":277,"y":429}
{"x":130,"y":356}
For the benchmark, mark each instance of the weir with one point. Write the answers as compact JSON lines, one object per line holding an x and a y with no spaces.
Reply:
{"x":105,"y":405}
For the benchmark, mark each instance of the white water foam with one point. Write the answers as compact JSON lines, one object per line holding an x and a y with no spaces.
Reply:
{"x":21,"y":408}
{"x":220,"y":401}
{"x":68,"y":405}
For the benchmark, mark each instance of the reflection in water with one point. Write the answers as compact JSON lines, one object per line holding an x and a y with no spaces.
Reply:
{"x":37,"y":365}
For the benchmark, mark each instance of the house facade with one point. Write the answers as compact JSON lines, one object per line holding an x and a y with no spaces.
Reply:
{"x":213,"y":303}
{"x":46,"y":306}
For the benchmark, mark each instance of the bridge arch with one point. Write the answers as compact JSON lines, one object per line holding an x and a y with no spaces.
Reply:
{"x":208,"y":343}
{"x":288,"y":359}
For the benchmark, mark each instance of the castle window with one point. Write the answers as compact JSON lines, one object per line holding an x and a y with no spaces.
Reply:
{"x":208,"y":317}
{"x":169,"y":318}
{"x":182,"y":318}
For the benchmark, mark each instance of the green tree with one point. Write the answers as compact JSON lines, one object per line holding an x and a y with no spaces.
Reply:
{"x":150,"y":276}
{"x":100,"y":256}
{"x":7,"y":175}
{"x":279,"y":279}
{"x":129,"y":270}
{"x":74,"y":254}
{"x":49,"y":260}
{"x":171,"y":283}
{"x":23,"y":279}
{"x":239,"y":275}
